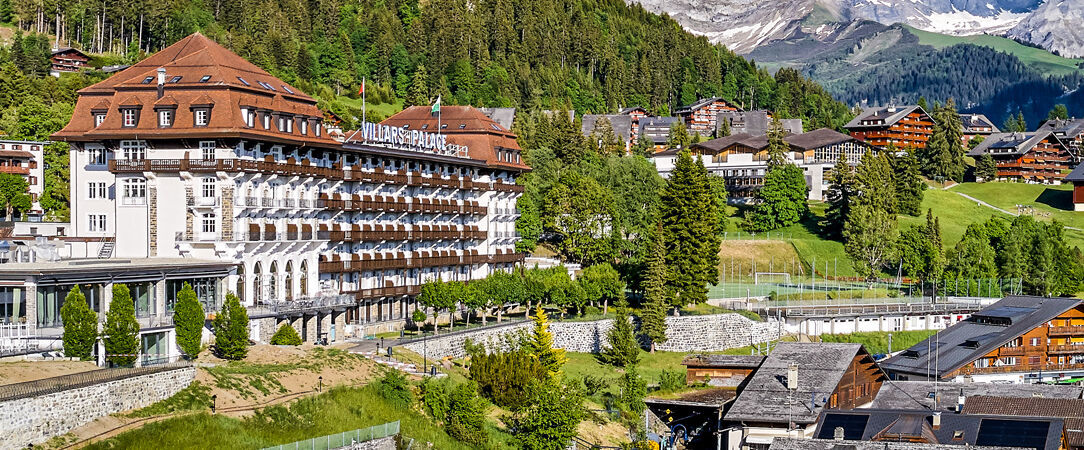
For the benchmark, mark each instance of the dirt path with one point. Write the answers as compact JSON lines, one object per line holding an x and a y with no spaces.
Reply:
{"x":22,"y":371}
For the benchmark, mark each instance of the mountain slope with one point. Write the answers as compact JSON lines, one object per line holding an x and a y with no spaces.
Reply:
{"x":1056,"y":25}
{"x":1039,"y":59}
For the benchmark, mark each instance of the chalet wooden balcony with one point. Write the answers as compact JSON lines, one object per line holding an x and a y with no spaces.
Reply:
{"x":1065,"y":349}
{"x":401,"y":234}
{"x":1027,"y":368}
{"x":1011,"y":351}
{"x":17,"y":170}
{"x":223,"y":165}
{"x":1076,"y":330}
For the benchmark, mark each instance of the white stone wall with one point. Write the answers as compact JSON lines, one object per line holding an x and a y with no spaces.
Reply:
{"x":384,"y":443}
{"x":36,"y":420}
{"x":684,"y":333}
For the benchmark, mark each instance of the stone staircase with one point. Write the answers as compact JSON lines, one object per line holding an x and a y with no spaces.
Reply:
{"x":407,"y":368}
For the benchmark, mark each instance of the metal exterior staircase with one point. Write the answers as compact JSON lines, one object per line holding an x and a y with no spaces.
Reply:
{"x":106,"y":249}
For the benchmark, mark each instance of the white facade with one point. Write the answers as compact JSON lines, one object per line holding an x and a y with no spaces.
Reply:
{"x":749,"y":168}
{"x":32,"y":169}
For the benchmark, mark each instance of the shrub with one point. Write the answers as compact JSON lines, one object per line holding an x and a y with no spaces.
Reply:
{"x":286,"y":335}
{"x":435,"y":398}
{"x":80,"y":325}
{"x":592,"y":311}
{"x":633,"y":391}
{"x":188,"y":319}
{"x":593,"y":384}
{"x":395,"y":389}
{"x":671,"y":380}
{"x":503,"y":377}
{"x":121,"y":333}
{"x":466,"y":415}
{"x":231,"y":330}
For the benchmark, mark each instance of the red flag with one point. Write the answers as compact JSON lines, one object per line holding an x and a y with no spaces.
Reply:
{"x":361,"y":90}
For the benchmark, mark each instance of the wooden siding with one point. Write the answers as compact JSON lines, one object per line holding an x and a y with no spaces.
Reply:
{"x":912,"y":131}
{"x":1050,"y":347}
{"x":1048,"y":161}
{"x":859,"y":385}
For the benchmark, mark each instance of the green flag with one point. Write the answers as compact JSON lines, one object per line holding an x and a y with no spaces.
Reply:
{"x":436,"y":107}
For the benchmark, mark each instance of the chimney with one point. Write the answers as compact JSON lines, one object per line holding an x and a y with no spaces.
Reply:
{"x":937,"y":420}
{"x":161,"y":81}
{"x":960,"y":401}
{"x":792,"y":377}
{"x":837,"y":434}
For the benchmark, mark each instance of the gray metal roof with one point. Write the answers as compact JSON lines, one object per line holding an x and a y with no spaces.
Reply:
{"x":1077,"y":174}
{"x":1064,"y":128}
{"x":621,"y":123}
{"x":929,"y":394}
{"x":755,"y":122}
{"x":820,"y":368}
{"x":657,"y":129}
{"x":971,"y":122}
{"x":503,"y":116}
{"x":1011,"y":143}
{"x":717,"y":145}
{"x":955,"y":429}
{"x":822,"y":137}
{"x":980,"y":334}
{"x":888,"y":114}
{"x":781,"y":443}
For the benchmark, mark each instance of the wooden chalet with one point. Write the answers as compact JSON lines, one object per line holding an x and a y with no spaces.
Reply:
{"x":635,"y":114}
{"x":68,"y":60}
{"x":703,"y":116}
{"x":1017,"y":339}
{"x":1035,"y":157}
{"x":975,"y":125}
{"x":1070,"y":132}
{"x":795,"y":383}
{"x":903,"y":126}
{"x":720,"y":370}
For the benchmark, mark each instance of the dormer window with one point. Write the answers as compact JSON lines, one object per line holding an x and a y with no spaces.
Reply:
{"x":99,"y":117}
{"x":266,"y":121}
{"x":249,"y":117}
{"x":130,"y":117}
{"x":202,"y":116}
{"x":316,"y":130}
{"x":304,"y":125}
{"x":165,"y":118}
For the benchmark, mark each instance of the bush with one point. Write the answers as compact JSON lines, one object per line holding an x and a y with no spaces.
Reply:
{"x":395,"y":389}
{"x":121,"y":332}
{"x":286,"y":335}
{"x":671,"y":380}
{"x":633,"y":391}
{"x":592,"y":311}
{"x":593,"y":384}
{"x":466,"y":415}
{"x":188,"y":319}
{"x":435,"y":398}
{"x":503,"y":377}
{"x":80,"y":325}
{"x":231,"y":330}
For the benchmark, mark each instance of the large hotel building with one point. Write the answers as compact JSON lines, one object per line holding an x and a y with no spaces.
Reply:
{"x":196,"y":154}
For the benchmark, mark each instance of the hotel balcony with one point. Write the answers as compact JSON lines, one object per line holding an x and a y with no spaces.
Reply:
{"x":1011,"y":351}
{"x":303,"y":305}
{"x":1076,"y":330}
{"x":249,"y":236}
{"x":1065,"y":349}
{"x":17,"y":170}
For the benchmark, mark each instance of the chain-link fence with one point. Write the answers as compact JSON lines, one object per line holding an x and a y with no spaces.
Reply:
{"x":343,"y":439}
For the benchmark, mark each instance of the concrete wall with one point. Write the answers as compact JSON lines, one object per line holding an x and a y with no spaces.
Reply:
{"x":685,"y":333}
{"x":37,"y":419}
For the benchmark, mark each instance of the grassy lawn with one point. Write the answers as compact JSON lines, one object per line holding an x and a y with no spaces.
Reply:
{"x":1039,"y":59}
{"x":955,"y":213}
{"x":336,"y":411}
{"x":1048,"y":202}
{"x":877,"y":342}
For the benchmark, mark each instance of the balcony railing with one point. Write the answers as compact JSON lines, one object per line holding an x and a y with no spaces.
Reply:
{"x":222,"y":165}
{"x":1011,"y":351}
{"x":1066,"y":331}
{"x":249,"y":236}
{"x":1065,"y":349}
{"x":316,"y":303}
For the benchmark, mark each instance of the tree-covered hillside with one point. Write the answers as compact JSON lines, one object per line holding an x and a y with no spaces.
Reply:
{"x":589,"y":55}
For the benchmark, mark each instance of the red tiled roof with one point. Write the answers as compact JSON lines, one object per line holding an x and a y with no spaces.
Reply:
{"x":192,"y":59}
{"x":465,"y":126}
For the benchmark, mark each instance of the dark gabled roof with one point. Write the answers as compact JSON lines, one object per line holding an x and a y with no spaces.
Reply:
{"x":621,"y":124}
{"x":735,"y":361}
{"x":700,"y":104}
{"x":818,"y":138}
{"x":1071,"y":410}
{"x":933,"y":395}
{"x":1012,"y":143}
{"x":755,"y":122}
{"x":68,"y":50}
{"x":715,"y":146}
{"x":955,"y":429}
{"x":631,"y":109}
{"x":820,"y":368}
{"x":972,"y":121}
{"x":1077,"y":174}
{"x":1064,"y":128}
{"x":983,"y":332}
{"x":781,"y":443}
{"x":657,"y":122}
{"x":888,"y":114}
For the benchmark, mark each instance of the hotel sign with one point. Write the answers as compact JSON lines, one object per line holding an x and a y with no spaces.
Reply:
{"x":408,"y":139}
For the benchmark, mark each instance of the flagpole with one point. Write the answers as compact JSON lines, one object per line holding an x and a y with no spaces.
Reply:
{"x":363,"y":118}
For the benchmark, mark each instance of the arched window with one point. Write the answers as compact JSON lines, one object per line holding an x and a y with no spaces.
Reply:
{"x":241,"y":282}
{"x":289,"y":280}
{"x":304,"y":288}
{"x":257,"y":291}
{"x":272,"y":284}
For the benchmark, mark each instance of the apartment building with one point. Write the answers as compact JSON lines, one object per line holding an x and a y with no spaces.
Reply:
{"x":196,"y":153}
{"x":906,"y":127}
{"x":26,"y":159}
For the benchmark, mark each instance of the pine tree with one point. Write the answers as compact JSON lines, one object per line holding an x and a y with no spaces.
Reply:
{"x":869,"y":232}
{"x":653,"y":312}
{"x":923,"y":104}
{"x":689,"y":222}
{"x":623,"y":351}
{"x":724,"y":128}
{"x":842,"y":187}
{"x":943,"y":157}
{"x":80,"y":325}
{"x":679,"y":136}
{"x":1059,"y":112}
{"x":5,"y":11}
{"x":909,"y":185}
{"x":418,"y":94}
{"x":782,"y":200}
{"x":121,"y":332}
{"x":231,"y":330}
{"x":540,"y":344}
{"x":985,"y":168}
{"x":188,"y":319}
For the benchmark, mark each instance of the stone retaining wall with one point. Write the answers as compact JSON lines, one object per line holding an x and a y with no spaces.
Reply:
{"x":384,"y":443}
{"x":684,"y":333}
{"x":37,"y":419}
